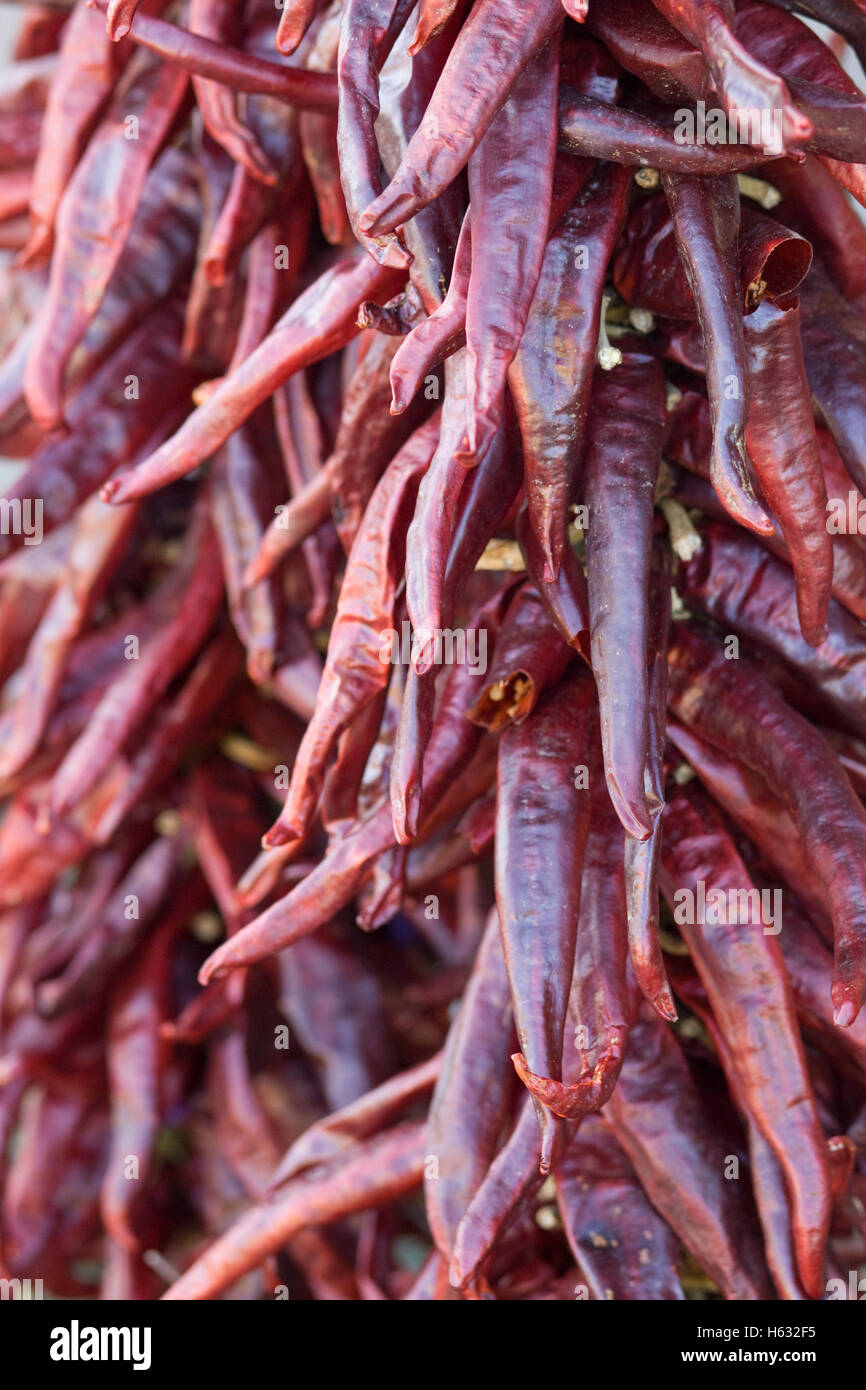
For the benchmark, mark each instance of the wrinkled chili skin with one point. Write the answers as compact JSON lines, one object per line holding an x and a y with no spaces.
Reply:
{"x":537,"y":792}
{"x":623,"y":457}
{"x":706,"y":232}
{"x":784,"y":451}
{"x":551,"y":375}
{"x":766,"y":734}
{"x":419,"y":431}
{"x":739,"y":968}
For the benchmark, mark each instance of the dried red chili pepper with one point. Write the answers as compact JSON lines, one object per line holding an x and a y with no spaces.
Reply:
{"x":641,"y":857}
{"x":538,"y":789}
{"x":656,"y":1115}
{"x":784,"y":452}
{"x":755,"y":724}
{"x":463,"y":104}
{"x":383,"y":1170}
{"x":135,"y":1063}
{"x":743,"y":588}
{"x":472,"y":1094}
{"x":622,"y":459}
{"x":313,"y":91}
{"x":213,"y":20}
{"x":705,"y":233}
{"x":356,"y":669}
{"x":743,"y":972}
{"x":320,"y":321}
{"x":94,"y":216}
{"x":557,"y":354}
{"x":512,"y":1180}
{"x":622,"y":1246}
{"x":510,"y":187}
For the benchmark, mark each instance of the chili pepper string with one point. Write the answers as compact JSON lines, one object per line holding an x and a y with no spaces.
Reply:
{"x":432,"y":662}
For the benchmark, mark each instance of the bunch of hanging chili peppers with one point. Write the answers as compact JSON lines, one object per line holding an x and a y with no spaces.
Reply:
{"x":339,"y":337}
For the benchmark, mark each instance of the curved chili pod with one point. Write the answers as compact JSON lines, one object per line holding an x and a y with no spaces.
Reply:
{"x":744,"y":975}
{"x":621,"y":1245}
{"x":539,"y":900}
{"x":733,"y":706}
{"x":768,"y":1179}
{"x":386,"y":1168}
{"x":355,"y":668}
{"x":623,"y":455}
{"x":604,"y":131}
{"x":601,"y":1006}
{"x":311,"y":91}
{"x":405,"y":89}
{"x":493,"y":47}
{"x":512,"y":1180}
{"x":215,"y":19}
{"x":94,"y":219}
{"x":295,"y":20}
{"x":367,"y":34}
{"x":706,"y":218}
{"x":656,"y":1114}
{"x":551,"y":376}
{"x":743,"y":588}
{"x":442,"y":333}
{"x":319,"y":322}
{"x":510,"y":187}
{"x":472,"y":1095}
{"x":87,"y":70}
{"x":783,"y":448}
{"x":642,"y":856}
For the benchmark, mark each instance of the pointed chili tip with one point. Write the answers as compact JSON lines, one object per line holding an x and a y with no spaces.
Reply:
{"x":845,"y":1013}
{"x":814,"y":636}
{"x":118,"y":32}
{"x":207,"y":972}
{"x":110,"y":490}
{"x":664,"y":1004}
{"x":254,"y":572}
{"x":406,"y":814}
{"x":399,"y":399}
{"x":422,"y":657}
{"x":519,"y":1063}
{"x":278,"y":835}
{"x":215,"y":966}
{"x":662,"y":1000}
{"x":748,"y":512}
{"x":393,"y":254}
